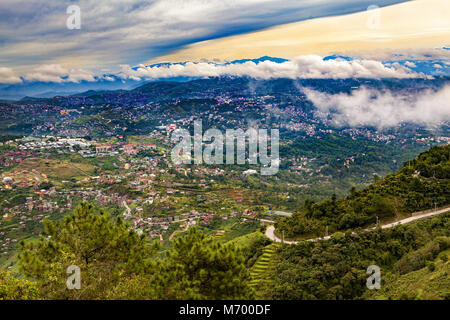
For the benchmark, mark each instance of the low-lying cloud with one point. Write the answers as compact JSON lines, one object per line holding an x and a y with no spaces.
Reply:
{"x":302,"y":67}
{"x":7,"y":76}
{"x":383,"y":109}
{"x":57,"y":73}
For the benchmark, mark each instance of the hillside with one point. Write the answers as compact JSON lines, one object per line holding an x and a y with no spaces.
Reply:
{"x":413,"y":261}
{"x":420,"y":184}
{"x":429,"y":283}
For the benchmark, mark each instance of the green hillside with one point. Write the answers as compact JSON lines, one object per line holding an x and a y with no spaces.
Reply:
{"x":420,"y":184}
{"x":429,"y":283}
{"x":412,"y":259}
{"x":262,"y":268}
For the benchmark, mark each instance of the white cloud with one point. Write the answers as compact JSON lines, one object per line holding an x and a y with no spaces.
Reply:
{"x":57,"y":73}
{"x":7,"y":76}
{"x":303,"y":67}
{"x":114,"y":32}
{"x":77,"y":75}
{"x":47,"y":73}
{"x":410,"y":64}
{"x":383,"y":109}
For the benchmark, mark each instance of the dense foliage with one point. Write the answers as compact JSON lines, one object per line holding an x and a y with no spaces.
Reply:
{"x":117,"y":263}
{"x":104,"y":250}
{"x":336,"y":269}
{"x":199,"y":268}
{"x":15,"y":289}
{"x":420,"y":184}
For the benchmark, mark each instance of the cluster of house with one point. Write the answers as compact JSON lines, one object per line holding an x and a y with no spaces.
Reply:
{"x":40,"y":203}
{"x":22,"y":179}
{"x":51,"y":142}
{"x":158,"y":226}
{"x":14,"y":157}
{"x":128,"y":149}
{"x":6,"y":243}
{"x":299,"y":164}
{"x":29,"y":146}
{"x":370,"y":134}
{"x":309,"y":129}
{"x":200,"y":172}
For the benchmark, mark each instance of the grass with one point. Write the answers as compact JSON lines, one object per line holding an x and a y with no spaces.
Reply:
{"x":141,"y":140}
{"x":55,"y":169}
{"x":237,"y":230}
{"x":245,"y":240}
{"x":261,"y":269}
{"x":424,"y":284}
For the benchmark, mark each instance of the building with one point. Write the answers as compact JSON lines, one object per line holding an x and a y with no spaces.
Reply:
{"x":103,"y":148}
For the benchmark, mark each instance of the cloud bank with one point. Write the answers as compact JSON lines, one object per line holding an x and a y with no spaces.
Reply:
{"x":303,"y":67}
{"x":382,"y":109}
{"x":7,"y":76}
{"x":57,"y":73}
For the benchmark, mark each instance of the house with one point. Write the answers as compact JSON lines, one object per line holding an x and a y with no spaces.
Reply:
{"x":249,"y":172}
{"x":103,"y":148}
{"x":148,"y":146}
{"x":130,"y":149}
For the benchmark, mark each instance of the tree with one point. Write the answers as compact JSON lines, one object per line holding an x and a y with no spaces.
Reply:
{"x":199,"y":268}
{"x":46,"y":185}
{"x":15,"y":289}
{"x":106,"y":252}
{"x":382,"y":207}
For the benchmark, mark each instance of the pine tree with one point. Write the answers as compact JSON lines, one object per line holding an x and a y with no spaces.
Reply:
{"x":106,"y":252}
{"x":16,"y":289}
{"x":199,"y":268}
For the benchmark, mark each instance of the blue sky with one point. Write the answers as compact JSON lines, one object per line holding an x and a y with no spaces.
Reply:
{"x":33,"y":33}
{"x":119,"y":40}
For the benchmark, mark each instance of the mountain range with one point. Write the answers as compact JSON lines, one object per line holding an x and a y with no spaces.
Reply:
{"x":431,"y":67}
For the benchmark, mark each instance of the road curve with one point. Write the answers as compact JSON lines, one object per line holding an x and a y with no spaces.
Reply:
{"x":416,"y":216}
{"x":127,"y":209}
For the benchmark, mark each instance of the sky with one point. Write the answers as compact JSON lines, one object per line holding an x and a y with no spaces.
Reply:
{"x":409,"y":27}
{"x":33,"y":33}
{"x":124,"y":37}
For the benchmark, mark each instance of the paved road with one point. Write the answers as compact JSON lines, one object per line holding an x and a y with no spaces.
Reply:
{"x":417,"y":216}
{"x":127,"y":209}
{"x":178,"y":231}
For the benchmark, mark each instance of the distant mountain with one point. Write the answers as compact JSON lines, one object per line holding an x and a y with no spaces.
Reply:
{"x":216,"y":86}
{"x":90,"y":93}
{"x":51,"y":89}
{"x":109,"y":82}
{"x":337,"y":57}
{"x":430,"y":67}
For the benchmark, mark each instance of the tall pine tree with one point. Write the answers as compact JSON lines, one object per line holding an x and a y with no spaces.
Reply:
{"x":106,"y":252}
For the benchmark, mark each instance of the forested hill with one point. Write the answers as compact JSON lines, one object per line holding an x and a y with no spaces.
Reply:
{"x":420,"y":184}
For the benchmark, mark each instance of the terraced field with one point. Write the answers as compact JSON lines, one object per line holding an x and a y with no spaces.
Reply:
{"x":259,"y":271}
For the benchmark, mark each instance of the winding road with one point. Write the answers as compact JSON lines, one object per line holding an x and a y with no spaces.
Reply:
{"x":415,"y":216}
{"x":127,"y":209}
